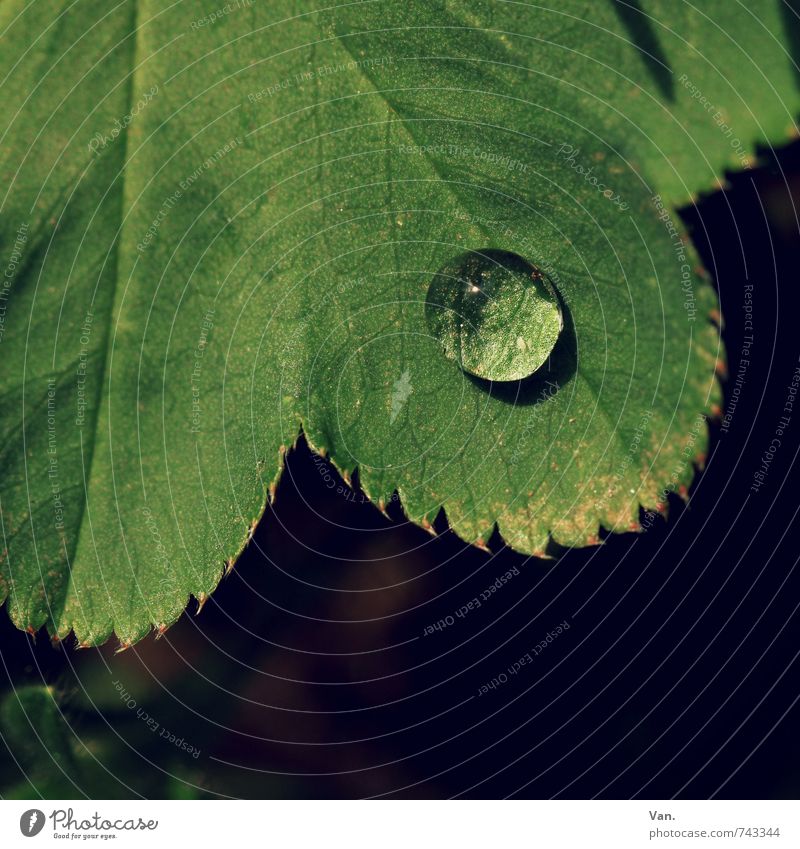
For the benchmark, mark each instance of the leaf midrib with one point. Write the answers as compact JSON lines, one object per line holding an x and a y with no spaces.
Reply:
{"x":121,"y":181}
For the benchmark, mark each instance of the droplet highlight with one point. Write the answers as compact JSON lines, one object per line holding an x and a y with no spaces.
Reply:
{"x":496,"y":314}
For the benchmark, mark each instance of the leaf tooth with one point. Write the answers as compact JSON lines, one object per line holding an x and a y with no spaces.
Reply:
{"x":426,"y":524}
{"x":701,"y":272}
{"x":251,"y":531}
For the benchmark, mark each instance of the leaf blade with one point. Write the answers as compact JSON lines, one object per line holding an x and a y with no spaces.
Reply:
{"x":256,"y":245}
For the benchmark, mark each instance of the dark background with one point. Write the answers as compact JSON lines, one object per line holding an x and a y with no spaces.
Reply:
{"x":307,"y":673}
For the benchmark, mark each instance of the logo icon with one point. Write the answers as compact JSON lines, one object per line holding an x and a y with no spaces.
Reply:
{"x":401,"y":392}
{"x":31,"y":822}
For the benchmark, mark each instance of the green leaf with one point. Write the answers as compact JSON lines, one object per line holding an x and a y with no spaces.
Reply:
{"x":48,"y":758}
{"x":35,"y":732}
{"x":216,"y":232}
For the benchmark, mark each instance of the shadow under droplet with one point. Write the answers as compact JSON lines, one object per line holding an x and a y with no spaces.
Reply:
{"x":555,"y":373}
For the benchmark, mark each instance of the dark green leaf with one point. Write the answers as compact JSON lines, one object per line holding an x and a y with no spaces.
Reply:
{"x":216,"y":232}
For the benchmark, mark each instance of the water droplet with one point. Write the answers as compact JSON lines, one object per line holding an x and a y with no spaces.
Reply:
{"x":494,"y":313}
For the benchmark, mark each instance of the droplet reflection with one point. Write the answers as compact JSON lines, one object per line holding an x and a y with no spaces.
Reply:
{"x":494,"y":313}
